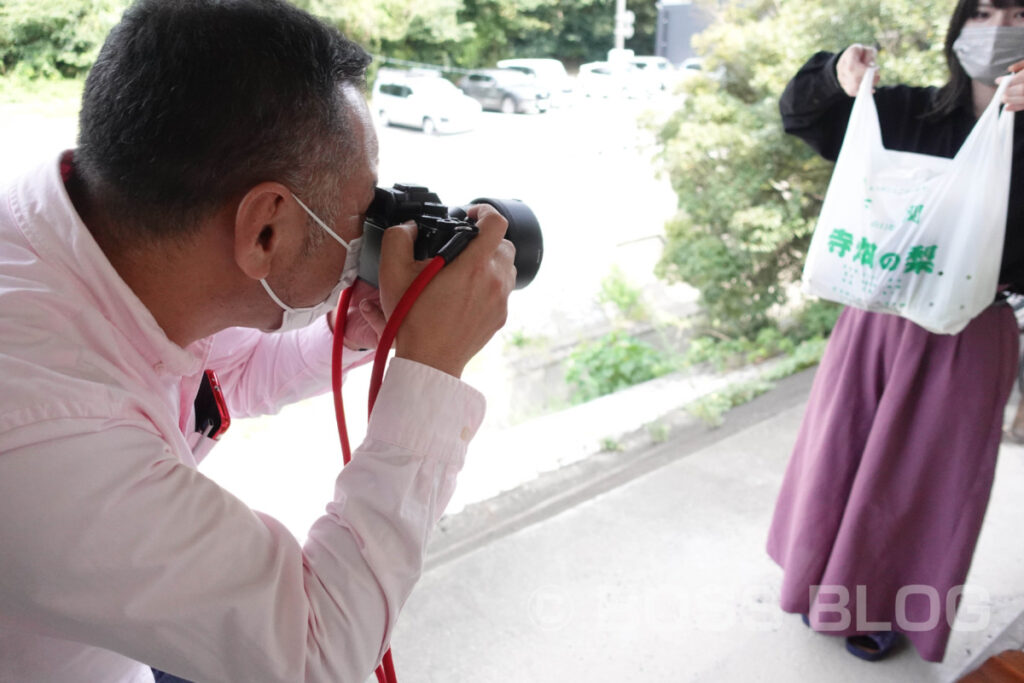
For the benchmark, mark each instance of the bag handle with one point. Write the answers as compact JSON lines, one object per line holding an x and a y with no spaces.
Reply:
{"x":985,"y":121}
{"x":863,"y":125}
{"x":864,"y":117}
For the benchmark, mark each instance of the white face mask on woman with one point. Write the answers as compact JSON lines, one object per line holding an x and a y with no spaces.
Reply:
{"x":294,"y":318}
{"x":986,"y":52}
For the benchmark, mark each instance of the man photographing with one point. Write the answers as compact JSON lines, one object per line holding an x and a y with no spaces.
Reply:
{"x":225,"y":161}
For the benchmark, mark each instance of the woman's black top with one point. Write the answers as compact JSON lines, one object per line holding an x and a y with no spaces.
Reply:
{"x":816,"y":109}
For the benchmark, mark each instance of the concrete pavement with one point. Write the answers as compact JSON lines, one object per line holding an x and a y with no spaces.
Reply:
{"x":649,"y":565}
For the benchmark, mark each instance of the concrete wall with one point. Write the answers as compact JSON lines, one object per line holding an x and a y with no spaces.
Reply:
{"x":678,"y":22}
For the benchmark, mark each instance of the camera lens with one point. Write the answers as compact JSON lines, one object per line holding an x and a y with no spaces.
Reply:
{"x":524,"y":233}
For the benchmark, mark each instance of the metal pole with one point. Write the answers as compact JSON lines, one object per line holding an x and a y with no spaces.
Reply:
{"x":620,"y":15}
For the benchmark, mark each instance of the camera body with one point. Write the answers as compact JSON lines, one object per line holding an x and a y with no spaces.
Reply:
{"x":445,"y":231}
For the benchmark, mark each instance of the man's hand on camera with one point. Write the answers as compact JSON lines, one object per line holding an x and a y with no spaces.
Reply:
{"x":464,"y":305}
{"x":365,"y":322}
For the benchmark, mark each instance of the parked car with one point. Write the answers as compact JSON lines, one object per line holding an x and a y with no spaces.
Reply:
{"x":549,"y":73}
{"x":506,"y":90}
{"x":692,"y":65}
{"x":605,"y":79}
{"x":428,"y":102}
{"x":653,"y":74}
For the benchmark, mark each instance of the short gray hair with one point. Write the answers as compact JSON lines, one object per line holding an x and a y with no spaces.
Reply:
{"x":193,"y":102}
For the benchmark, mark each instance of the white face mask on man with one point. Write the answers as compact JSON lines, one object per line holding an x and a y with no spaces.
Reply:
{"x":295,"y":318}
{"x":986,"y":52}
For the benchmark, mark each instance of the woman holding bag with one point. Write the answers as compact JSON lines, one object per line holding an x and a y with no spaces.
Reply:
{"x":885,"y":492}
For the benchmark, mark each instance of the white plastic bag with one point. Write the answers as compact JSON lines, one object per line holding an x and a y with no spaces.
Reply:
{"x":912,"y":234}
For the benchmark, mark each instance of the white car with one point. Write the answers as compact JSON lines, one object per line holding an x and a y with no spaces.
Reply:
{"x":605,"y":79}
{"x":654,"y":73}
{"x":428,"y":102}
{"x":549,"y":73}
{"x":692,"y":65}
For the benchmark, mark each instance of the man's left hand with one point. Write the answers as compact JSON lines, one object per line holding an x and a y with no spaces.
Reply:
{"x":365,"y":321}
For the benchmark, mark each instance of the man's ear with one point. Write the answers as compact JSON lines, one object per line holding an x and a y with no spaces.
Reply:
{"x":260,"y":228}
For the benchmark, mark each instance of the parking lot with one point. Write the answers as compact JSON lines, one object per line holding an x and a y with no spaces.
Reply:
{"x":586,"y":172}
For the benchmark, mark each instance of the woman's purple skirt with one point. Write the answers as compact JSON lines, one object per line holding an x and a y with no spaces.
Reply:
{"x":885,"y":492}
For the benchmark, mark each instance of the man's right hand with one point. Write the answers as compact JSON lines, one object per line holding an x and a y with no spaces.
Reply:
{"x":465,"y":303}
{"x":852,"y":65}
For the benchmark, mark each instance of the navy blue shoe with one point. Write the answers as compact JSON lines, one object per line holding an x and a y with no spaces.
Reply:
{"x":872,"y":647}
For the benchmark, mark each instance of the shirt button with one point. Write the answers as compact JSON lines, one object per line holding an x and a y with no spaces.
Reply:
{"x":158,"y":366}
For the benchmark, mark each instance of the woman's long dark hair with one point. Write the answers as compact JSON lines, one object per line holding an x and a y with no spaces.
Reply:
{"x":957,"y":92}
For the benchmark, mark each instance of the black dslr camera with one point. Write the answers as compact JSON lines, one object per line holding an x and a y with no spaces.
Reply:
{"x":445,"y":231}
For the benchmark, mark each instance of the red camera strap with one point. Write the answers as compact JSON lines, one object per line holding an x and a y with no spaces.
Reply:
{"x":386,"y":671}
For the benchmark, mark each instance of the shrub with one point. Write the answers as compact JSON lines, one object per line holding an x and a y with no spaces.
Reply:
{"x":749,"y":194}
{"x":613,"y":362}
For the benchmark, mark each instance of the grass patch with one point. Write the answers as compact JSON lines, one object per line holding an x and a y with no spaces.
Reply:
{"x":57,"y":98}
{"x":615,"y":361}
{"x":711,"y":409}
{"x":610,"y":445}
{"x":658,"y":431}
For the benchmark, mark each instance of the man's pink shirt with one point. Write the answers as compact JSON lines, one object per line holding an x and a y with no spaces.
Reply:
{"x":116,"y":554}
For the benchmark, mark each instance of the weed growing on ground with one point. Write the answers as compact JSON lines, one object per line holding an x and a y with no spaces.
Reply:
{"x":711,"y":409}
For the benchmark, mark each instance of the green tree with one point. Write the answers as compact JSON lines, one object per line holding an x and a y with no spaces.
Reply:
{"x":407,"y":29}
{"x":574,"y":31}
{"x":54,"y":38}
{"x":645,"y":27}
{"x":583,"y":30}
{"x":749,"y":195}
{"x":60,"y":38}
{"x":498,"y":29}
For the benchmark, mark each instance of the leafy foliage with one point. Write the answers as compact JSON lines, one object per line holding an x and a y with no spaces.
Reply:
{"x":60,"y":38}
{"x":627,"y":298}
{"x":574,"y":31}
{"x":613,"y":362}
{"x":711,"y":409}
{"x":814,"y":322}
{"x":398,"y":28}
{"x":806,"y":355}
{"x":749,"y":195}
{"x":730,"y":353}
{"x":54,"y":38}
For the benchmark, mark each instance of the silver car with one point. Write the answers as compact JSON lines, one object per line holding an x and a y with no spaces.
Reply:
{"x":506,"y":90}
